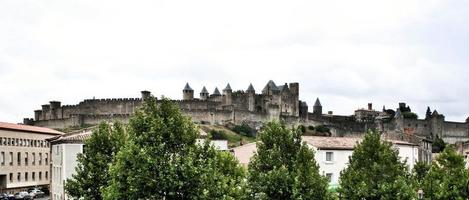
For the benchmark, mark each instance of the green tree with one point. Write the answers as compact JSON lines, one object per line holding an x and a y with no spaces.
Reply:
{"x":447,"y":179}
{"x":420,"y":171}
{"x":92,"y":170}
{"x":375,"y":172}
{"x":163,"y":161}
{"x":284,"y":167}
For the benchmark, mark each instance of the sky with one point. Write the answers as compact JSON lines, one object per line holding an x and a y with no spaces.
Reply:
{"x":346,"y":53}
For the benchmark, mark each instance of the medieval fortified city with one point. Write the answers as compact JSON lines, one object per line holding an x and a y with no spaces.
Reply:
{"x":234,"y":100}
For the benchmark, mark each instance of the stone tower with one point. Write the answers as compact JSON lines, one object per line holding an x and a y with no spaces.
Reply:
{"x":317,"y":108}
{"x":145,"y":95}
{"x":295,"y":91}
{"x":187,"y":92}
{"x":227,"y":92}
{"x":251,"y":98}
{"x":54,"y":109}
{"x":204,"y":94}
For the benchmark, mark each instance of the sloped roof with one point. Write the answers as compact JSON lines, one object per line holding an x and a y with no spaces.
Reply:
{"x":228,"y":87}
{"x":317,"y":103}
{"x":270,"y":85}
{"x":76,"y":137}
{"x":250,"y":88}
{"x":204,"y":90}
{"x":187,"y":87}
{"x":27,"y":128}
{"x":216,"y":92}
{"x":339,"y":143}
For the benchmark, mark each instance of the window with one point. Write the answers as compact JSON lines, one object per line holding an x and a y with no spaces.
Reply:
{"x":329,"y":177}
{"x":19,"y":159}
{"x":329,"y":156}
{"x":26,"y":158}
{"x":40,"y":158}
{"x":26,"y":176}
{"x":18,"y":177}
{"x":2,"y":158}
{"x":11,"y":158}
{"x":40,"y":175}
{"x":34,"y":176}
{"x":57,"y":150}
{"x":47,"y":175}
{"x":34,"y":158}
{"x":46,"y":160}
{"x":11,"y":177}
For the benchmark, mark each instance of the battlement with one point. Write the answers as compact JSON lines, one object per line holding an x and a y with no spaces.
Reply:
{"x":111,"y":100}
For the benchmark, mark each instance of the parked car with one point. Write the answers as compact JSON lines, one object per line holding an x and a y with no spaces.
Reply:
{"x":36,"y":193}
{"x":23,"y":195}
{"x":3,"y":196}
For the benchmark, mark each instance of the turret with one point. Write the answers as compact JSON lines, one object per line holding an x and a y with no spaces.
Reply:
{"x":251,"y":98}
{"x":204,"y":94}
{"x":28,"y":121}
{"x":228,"y":94}
{"x":187,"y":92}
{"x":54,"y":110}
{"x":317,"y":108}
{"x":428,"y":114}
{"x":46,"y":111}
{"x":295,"y":91}
{"x":145,"y":94}
{"x":37,"y":115}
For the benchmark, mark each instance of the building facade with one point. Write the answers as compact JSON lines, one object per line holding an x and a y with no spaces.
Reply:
{"x":64,"y":151}
{"x":332,"y":153}
{"x":24,"y":157}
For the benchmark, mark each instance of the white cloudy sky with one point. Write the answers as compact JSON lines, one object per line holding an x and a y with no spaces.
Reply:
{"x":347,"y":53}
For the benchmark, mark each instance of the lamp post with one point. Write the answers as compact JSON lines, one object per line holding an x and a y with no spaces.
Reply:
{"x":420,"y":193}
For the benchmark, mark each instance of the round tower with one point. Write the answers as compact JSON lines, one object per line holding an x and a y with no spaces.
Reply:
{"x":145,"y":94}
{"x":204,"y":94}
{"x":228,"y":94}
{"x":187,"y":92}
{"x":251,"y":98}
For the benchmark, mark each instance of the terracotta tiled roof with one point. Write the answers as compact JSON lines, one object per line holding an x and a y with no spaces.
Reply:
{"x":27,"y":128}
{"x":345,"y":143}
{"x":72,"y":137}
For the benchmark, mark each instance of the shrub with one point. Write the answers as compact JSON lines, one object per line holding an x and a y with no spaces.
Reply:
{"x":302,"y":128}
{"x":322,"y":129}
{"x":217,"y":135}
{"x":244,"y":130}
{"x":310,"y":127}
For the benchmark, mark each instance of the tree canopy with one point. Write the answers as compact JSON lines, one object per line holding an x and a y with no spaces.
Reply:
{"x":284,"y":167}
{"x":447,"y":178}
{"x":375,"y":172}
{"x":98,"y":152}
{"x":163,"y":161}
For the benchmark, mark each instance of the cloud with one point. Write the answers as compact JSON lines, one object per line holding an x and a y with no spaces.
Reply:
{"x":346,"y":53}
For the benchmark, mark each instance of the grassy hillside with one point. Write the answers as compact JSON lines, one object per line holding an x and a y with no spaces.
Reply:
{"x":233,"y":138}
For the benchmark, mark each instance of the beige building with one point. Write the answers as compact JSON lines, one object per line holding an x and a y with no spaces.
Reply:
{"x":24,"y":156}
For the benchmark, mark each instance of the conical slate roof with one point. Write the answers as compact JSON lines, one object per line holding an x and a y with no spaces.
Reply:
{"x":228,"y":87}
{"x":270,"y":85}
{"x":317,"y":103}
{"x":187,"y":87}
{"x":250,"y":88}
{"x":204,"y":91}
{"x":216,"y":92}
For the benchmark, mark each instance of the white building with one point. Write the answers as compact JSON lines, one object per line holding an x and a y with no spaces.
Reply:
{"x":332,"y":153}
{"x":64,"y":151}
